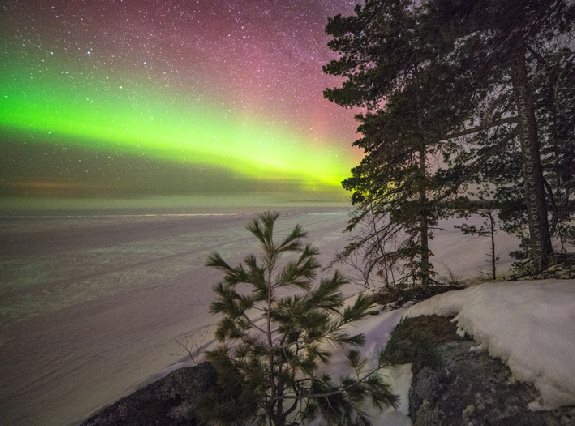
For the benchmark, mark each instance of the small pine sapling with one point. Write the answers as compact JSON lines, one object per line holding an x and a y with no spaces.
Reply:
{"x":487,"y":229}
{"x":277,"y":327}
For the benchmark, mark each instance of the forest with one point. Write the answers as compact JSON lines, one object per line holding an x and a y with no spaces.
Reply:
{"x":462,"y":107}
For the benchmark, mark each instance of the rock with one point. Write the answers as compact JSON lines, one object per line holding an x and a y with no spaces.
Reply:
{"x":168,"y":401}
{"x":468,"y":387}
{"x":424,"y":389}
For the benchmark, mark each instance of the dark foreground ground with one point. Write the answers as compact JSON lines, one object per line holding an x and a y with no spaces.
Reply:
{"x":453,"y":384}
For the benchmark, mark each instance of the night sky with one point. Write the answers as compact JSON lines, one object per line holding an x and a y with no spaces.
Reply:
{"x":169,"y":96}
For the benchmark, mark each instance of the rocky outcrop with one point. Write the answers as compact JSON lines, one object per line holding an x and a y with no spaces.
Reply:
{"x":168,"y":401}
{"x":456,"y":384}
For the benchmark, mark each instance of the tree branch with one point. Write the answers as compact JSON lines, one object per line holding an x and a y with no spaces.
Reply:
{"x":483,"y":126}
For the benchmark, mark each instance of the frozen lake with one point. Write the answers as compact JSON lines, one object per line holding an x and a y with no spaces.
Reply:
{"x":93,"y":298}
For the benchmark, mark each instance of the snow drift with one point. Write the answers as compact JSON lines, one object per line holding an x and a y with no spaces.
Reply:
{"x":530,"y":325}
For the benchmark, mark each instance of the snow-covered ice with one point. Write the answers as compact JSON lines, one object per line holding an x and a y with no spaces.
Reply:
{"x":529,"y":325}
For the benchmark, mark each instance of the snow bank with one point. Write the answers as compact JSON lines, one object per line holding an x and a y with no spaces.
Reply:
{"x":530,"y":325}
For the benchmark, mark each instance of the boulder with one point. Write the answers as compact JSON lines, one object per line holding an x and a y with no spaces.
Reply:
{"x":168,"y":401}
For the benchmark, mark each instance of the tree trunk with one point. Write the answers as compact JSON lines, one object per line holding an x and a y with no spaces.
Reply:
{"x":492,"y":235}
{"x":271,"y":378}
{"x":423,"y":221}
{"x":541,"y":249}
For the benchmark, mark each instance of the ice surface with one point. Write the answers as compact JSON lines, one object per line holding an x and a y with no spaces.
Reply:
{"x":530,"y":325}
{"x":91,"y":306}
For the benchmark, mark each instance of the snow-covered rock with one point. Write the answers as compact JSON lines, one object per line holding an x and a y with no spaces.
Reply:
{"x":530,"y":325}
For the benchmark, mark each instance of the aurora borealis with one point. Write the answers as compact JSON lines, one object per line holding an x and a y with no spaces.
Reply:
{"x":112,"y":94}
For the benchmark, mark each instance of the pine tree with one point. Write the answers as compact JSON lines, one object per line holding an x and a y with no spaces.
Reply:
{"x":507,"y":34}
{"x":499,"y":152}
{"x":488,"y":228}
{"x":554,"y":81}
{"x":459,"y":79}
{"x":393,"y":62}
{"x":276,"y":326}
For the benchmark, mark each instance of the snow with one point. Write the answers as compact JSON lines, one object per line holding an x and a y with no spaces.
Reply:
{"x":399,"y":379}
{"x":377,"y":331}
{"x":529,"y":325}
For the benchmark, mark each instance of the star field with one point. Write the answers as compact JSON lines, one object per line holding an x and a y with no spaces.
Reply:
{"x":213,"y":88}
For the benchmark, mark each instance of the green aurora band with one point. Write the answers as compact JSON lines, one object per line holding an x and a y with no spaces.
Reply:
{"x":107,"y":115}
